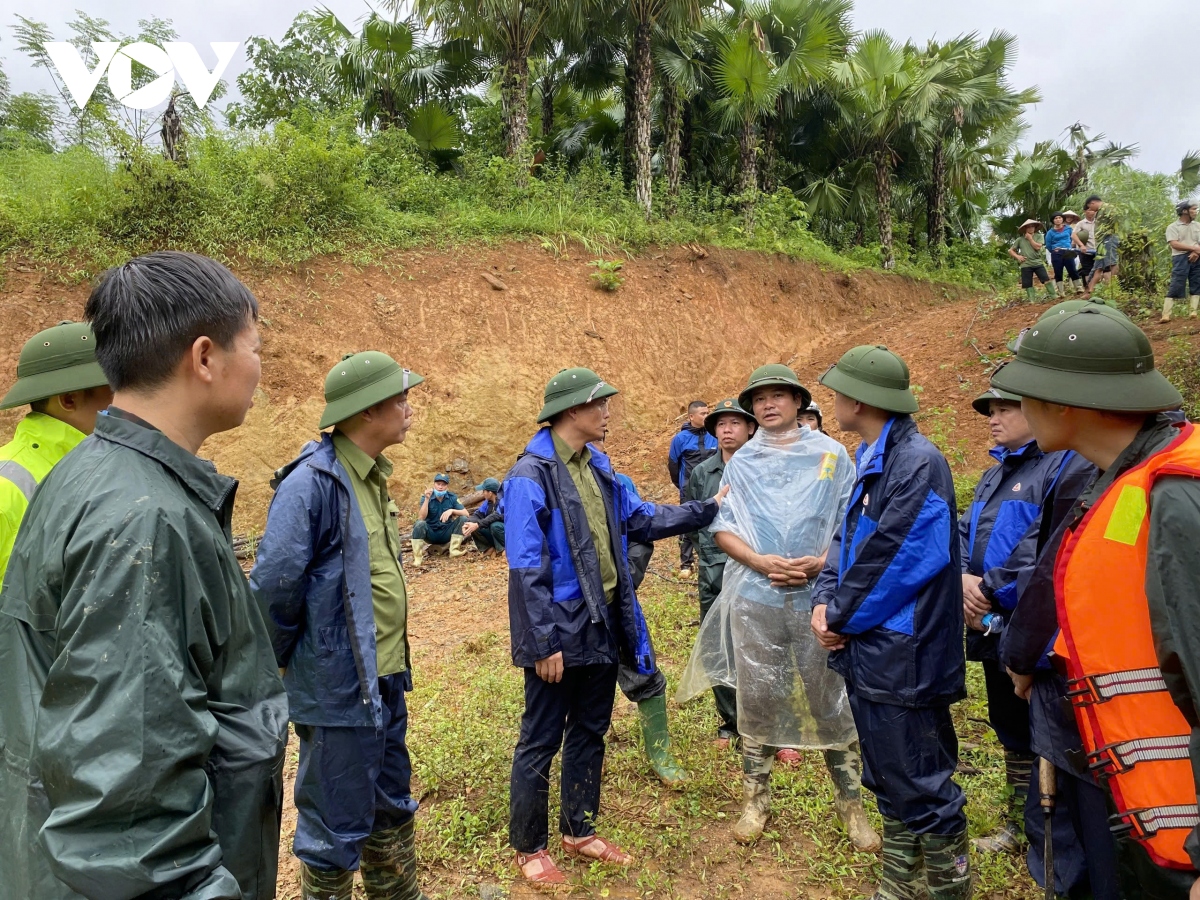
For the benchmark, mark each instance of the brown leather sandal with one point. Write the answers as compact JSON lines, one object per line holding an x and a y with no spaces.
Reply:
{"x":548,"y":874}
{"x":595,"y":847}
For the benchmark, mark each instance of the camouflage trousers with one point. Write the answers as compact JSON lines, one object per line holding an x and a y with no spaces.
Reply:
{"x":916,"y":866}
{"x":845,"y":767}
{"x":388,"y":868}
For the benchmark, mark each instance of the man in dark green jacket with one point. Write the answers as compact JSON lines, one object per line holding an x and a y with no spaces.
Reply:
{"x":732,"y":426}
{"x":142,"y":721}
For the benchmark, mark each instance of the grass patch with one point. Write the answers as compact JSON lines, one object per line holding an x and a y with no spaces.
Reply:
{"x":464,"y":721}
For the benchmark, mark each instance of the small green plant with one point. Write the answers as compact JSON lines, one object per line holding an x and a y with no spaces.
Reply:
{"x":607,"y":273}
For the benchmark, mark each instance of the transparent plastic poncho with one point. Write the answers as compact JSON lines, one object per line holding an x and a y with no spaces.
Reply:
{"x":787,"y":494}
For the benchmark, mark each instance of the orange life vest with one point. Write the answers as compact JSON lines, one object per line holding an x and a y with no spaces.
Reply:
{"x":1135,"y":738}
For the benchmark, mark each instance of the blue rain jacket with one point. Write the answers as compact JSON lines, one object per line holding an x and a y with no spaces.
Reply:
{"x":312,"y":579}
{"x":689,"y":448}
{"x":550,"y":607}
{"x":892,"y":581}
{"x":998,"y":536}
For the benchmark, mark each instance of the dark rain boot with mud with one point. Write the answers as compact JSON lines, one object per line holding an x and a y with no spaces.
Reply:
{"x":325,"y":884}
{"x":1018,"y":769}
{"x":947,"y":865}
{"x":658,"y":743}
{"x":757,"y":761}
{"x":845,"y":770}
{"x":389,"y":864}
{"x":903,"y":864}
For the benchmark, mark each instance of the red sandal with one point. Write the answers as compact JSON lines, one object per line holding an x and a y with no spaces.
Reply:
{"x":595,"y":847}
{"x":788,"y":757}
{"x":548,"y":874}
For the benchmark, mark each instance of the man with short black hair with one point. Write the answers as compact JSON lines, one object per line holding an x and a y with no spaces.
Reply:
{"x":690,"y":447}
{"x":1183,"y":237}
{"x":328,"y":573}
{"x":57,"y":375}
{"x":143,"y":714}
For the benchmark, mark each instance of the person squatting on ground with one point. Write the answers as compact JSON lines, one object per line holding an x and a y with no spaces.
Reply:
{"x":143,"y":718}
{"x":788,"y":489}
{"x":889,"y":605}
{"x":439,"y":521}
{"x":690,"y":447}
{"x":328,"y":576}
{"x":1063,"y":252}
{"x":1183,"y":237}
{"x":1028,"y":251}
{"x":486,"y":524}
{"x":1089,"y":384}
{"x":573,"y":613}
{"x":65,"y":388}
{"x":732,"y":426}
{"x":998,"y":551}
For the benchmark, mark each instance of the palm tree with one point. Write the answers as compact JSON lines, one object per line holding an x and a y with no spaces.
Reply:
{"x":508,"y":33}
{"x":681,"y":67}
{"x":883,"y":90}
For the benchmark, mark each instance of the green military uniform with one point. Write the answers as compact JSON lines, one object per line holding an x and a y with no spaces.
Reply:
{"x":143,"y":721}
{"x":593,"y":509}
{"x":389,"y":593}
{"x":55,"y":361}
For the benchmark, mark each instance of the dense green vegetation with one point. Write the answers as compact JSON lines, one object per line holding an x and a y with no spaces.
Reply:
{"x":767,"y":124}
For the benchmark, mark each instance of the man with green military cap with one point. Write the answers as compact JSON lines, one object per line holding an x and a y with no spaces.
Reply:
{"x":732,"y":426}
{"x":788,"y":489}
{"x":573,"y":614}
{"x":889,"y":604}
{"x":486,"y":523}
{"x":998,"y":546}
{"x":58,"y":376}
{"x":328,"y":574}
{"x":1126,"y":583}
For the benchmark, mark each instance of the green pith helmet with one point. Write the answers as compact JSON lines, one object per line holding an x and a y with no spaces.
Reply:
{"x":572,"y":387}
{"x":360,"y":381}
{"x":773,"y":375}
{"x":1088,"y":359}
{"x":873,"y":375}
{"x":55,"y":361}
{"x":983,"y":403}
{"x":724,"y":408}
{"x":1062,"y":309}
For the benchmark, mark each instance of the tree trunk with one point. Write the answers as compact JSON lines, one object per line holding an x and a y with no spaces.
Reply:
{"x":935,"y":222}
{"x":547,"y":109}
{"x":883,"y":200}
{"x":627,"y":129}
{"x":672,"y":133}
{"x":172,"y":134}
{"x":769,"y":175}
{"x":642,"y":86}
{"x":748,"y":177}
{"x":514,"y":103}
{"x":685,"y":140}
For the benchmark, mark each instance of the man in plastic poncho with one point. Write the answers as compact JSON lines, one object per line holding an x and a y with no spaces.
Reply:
{"x":788,"y":490}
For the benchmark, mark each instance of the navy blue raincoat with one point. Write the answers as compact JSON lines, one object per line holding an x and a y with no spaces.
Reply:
{"x":997,"y":537}
{"x":892,"y":580}
{"x":689,"y":448}
{"x":552,"y":609}
{"x":314,"y":566}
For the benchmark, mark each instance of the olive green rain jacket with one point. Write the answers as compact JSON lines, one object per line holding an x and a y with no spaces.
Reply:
{"x":703,"y":484}
{"x":142,"y":718}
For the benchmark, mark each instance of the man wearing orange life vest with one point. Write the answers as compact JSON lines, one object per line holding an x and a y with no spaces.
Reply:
{"x":1127,"y":583}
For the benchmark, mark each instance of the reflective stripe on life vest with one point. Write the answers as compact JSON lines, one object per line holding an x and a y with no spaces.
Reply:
{"x":1136,"y":740}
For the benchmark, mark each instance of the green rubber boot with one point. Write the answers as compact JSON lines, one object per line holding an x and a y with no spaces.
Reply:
{"x":1031,"y":293}
{"x":903,"y":864}
{"x":658,"y":742}
{"x":389,"y":864}
{"x":325,"y":884}
{"x":845,"y":770}
{"x":947,"y":865}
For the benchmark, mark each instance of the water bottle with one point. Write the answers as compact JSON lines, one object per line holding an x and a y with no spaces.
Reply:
{"x":992,"y":623}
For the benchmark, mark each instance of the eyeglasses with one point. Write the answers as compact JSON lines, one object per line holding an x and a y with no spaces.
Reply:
{"x":601,"y":405}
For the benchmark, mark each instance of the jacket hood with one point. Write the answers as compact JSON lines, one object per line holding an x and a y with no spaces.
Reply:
{"x":321,"y":453}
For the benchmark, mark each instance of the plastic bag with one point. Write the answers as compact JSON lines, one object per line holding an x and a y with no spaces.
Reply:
{"x":787,"y":494}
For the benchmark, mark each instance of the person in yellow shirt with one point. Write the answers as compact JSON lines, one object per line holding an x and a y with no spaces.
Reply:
{"x":58,"y":376}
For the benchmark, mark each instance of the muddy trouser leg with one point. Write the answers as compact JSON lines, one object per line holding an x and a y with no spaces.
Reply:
{"x":483,"y":539}
{"x":710,"y":581}
{"x":497,"y":530}
{"x":589,"y":715}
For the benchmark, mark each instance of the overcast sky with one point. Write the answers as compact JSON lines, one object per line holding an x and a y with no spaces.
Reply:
{"x":1127,"y":69}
